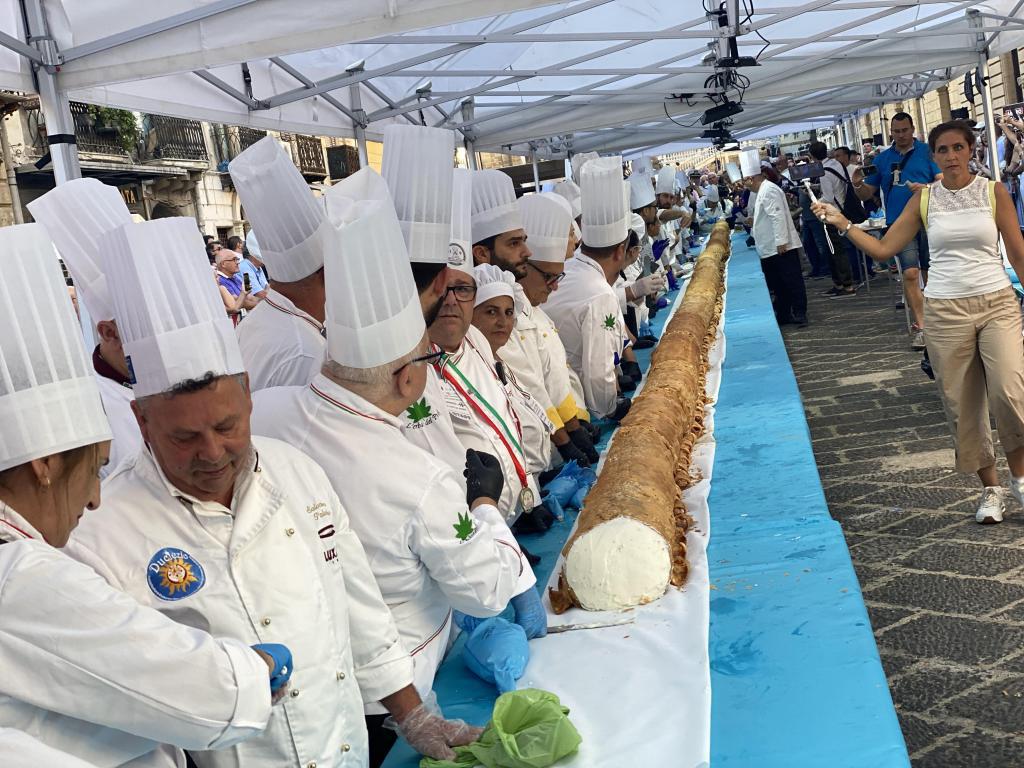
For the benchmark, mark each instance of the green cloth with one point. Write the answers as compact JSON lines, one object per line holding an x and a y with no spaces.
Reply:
{"x":528,"y":729}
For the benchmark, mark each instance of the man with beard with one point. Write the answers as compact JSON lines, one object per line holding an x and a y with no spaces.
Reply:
{"x":498,"y":234}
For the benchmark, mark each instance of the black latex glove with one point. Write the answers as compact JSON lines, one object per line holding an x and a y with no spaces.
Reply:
{"x":621,"y":408}
{"x":593,"y":430}
{"x":626,"y":383}
{"x":483,"y":476}
{"x":571,"y":452}
{"x":644,"y":342}
{"x":581,"y":439}
{"x":537,"y":520}
{"x":632,"y":369}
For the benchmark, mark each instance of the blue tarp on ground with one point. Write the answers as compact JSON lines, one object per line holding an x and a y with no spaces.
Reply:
{"x":796,"y":678}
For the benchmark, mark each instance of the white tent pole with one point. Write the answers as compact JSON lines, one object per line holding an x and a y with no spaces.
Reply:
{"x":466,"y":109}
{"x":975,"y":20}
{"x":536,"y":169}
{"x":53,"y":102}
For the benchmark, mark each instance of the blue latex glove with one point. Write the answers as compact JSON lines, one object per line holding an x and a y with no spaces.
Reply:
{"x":497,"y":652}
{"x":530,"y":613}
{"x":552,"y":504}
{"x":564,"y":485}
{"x":282,"y":657}
{"x":672,"y":284}
{"x":465,"y":622}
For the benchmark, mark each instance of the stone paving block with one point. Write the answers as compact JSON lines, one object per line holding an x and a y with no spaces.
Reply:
{"x":883,"y":615}
{"x":841,"y":492}
{"x":920,"y":733}
{"x":964,"y":641}
{"x":895,"y":662}
{"x":924,"y":497}
{"x":883,"y":549}
{"x":1001,"y":702}
{"x":863,"y":518}
{"x":946,"y":594}
{"x":970,"y":559}
{"x":974,"y":749}
{"x":926,"y":686}
{"x":1010,"y":531}
{"x":924,"y":523}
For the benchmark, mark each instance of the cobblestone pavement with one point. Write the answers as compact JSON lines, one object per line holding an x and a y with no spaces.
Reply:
{"x":945,"y":595}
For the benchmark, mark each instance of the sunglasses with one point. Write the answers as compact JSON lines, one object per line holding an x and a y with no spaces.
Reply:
{"x":550,"y":278}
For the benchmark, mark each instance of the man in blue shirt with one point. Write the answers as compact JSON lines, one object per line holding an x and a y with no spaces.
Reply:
{"x":901,"y":170}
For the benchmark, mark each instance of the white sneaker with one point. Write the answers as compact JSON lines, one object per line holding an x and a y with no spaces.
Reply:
{"x":992,"y":506}
{"x":1017,"y":486}
{"x":917,"y":341}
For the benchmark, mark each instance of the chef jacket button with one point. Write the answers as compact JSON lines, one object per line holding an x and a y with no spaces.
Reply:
{"x":311,"y":765}
{"x":346,"y":747}
{"x":294,"y":692}
{"x":341,"y":675}
{"x":266,"y":621}
{"x":290,"y":531}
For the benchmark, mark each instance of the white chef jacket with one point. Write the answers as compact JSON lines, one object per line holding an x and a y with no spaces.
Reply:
{"x":407,"y":508}
{"x":475,"y":362}
{"x":126,"y":437}
{"x":559,"y":377}
{"x":282,"y":565}
{"x":19,"y":750}
{"x":535,"y":425}
{"x":586,"y":312}
{"x":89,"y":671}
{"x":773,"y":225}
{"x":281,"y":345}
{"x":521,"y":355}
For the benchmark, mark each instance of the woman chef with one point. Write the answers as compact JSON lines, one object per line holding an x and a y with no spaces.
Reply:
{"x":86,"y":670}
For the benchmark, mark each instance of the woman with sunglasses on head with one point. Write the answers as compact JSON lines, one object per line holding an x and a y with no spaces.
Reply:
{"x":86,"y":670}
{"x":972,"y":319}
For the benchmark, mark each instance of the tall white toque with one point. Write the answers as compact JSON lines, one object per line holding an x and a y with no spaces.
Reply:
{"x":666,"y":183}
{"x":76,"y":215}
{"x":750,"y":163}
{"x":373,"y":310}
{"x":494,"y":205}
{"x":605,"y":211}
{"x":641,"y":190}
{"x":285,"y":215}
{"x":578,"y":161}
{"x":546,"y":219}
{"x":460,"y":248}
{"x":570,"y":190}
{"x":169,"y":311}
{"x":418,"y":167}
{"x":49,"y":401}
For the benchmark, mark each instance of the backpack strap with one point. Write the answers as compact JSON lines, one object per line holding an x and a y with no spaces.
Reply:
{"x":924,"y":204}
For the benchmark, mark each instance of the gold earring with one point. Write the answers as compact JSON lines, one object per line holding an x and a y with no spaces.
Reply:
{"x":46,"y":482}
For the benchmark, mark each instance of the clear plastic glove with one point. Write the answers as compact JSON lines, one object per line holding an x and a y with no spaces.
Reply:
{"x":433,"y":736}
{"x":530,"y":613}
{"x":649,"y":285}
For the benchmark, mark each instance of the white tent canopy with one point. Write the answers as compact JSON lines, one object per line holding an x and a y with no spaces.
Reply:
{"x":586,"y":75}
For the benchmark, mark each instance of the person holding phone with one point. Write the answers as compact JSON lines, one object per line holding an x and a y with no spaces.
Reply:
{"x":900,"y":171}
{"x":237,"y":298}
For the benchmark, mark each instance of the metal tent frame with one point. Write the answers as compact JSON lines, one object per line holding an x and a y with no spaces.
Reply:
{"x":522,"y":76}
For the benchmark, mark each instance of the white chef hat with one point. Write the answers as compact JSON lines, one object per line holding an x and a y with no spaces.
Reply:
{"x":253,"y":245}
{"x":546,"y":219}
{"x":605,"y":211}
{"x":750,"y":163}
{"x":637,"y":224}
{"x":494,"y":205}
{"x":284,"y":213}
{"x":492,"y":281}
{"x":460,"y":247}
{"x":418,"y":166}
{"x":169,"y":311}
{"x":76,"y":215}
{"x":641,"y":191}
{"x":666,"y":182}
{"x":49,"y":401}
{"x":373,"y":310}
{"x":578,"y":161}
{"x":570,"y":190}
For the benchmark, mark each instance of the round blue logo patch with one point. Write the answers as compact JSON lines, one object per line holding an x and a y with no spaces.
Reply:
{"x":173,"y":574}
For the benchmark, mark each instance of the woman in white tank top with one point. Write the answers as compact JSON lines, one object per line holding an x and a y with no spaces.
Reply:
{"x":972,"y":318}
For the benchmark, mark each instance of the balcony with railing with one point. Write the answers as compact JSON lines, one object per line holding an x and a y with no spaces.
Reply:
{"x":174,"y":138}
{"x":229,"y":141}
{"x":112,"y":133}
{"x":311,"y":156}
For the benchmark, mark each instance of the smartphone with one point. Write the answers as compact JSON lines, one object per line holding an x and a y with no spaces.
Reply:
{"x":867,"y":170}
{"x":246,"y":282}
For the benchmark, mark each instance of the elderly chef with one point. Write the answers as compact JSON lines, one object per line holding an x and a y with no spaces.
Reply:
{"x":585,"y":308}
{"x":242,"y":536}
{"x":429,"y":551}
{"x":86,"y":670}
{"x":546,"y":218}
{"x":282,"y":339}
{"x":76,"y":215}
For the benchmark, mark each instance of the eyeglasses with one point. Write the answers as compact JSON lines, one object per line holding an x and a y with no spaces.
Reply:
{"x":463,"y":292}
{"x":431,"y":358}
{"x":550,"y":278}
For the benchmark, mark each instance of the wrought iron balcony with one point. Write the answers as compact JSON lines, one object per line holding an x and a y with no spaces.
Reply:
{"x":230,"y":141}
{"x":103,"y":132}
{"x":174,"y":138}
{"x":311,"y":156}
